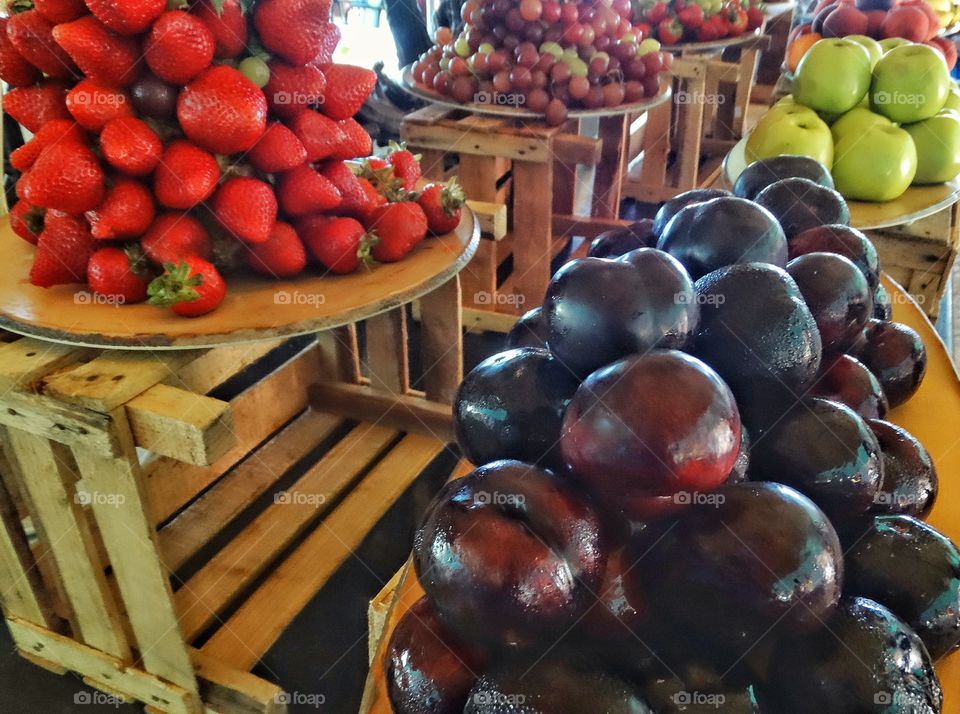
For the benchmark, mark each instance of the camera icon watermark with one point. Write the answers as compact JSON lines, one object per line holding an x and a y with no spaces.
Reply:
{"x":293,"y":298}
{"x":84,"y":297}
{"x":302,"y":699}
{"x":296,"y":498}
{"x":883,"y":699}
{"x":502,"y":99}
{"x":95,"y":498}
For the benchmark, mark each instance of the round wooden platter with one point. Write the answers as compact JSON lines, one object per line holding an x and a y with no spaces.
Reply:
{"x":916,"y":202}
{"x":932,"y":415}
{"x":256,"y":308}
{"x":508,"y":112}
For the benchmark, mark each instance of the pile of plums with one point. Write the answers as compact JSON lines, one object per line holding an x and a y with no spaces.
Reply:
{"x":689,"y":499}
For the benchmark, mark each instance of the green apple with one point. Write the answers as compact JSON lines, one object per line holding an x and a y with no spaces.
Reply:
{"x":910,"y":83}
{"x":938,"y":147}
{"x":876,"y":165}
{"x":833,"y":76}
{"x":872,"y":46}
{"x":891,"y":42}
{"x":857,"y":120}
{"x":953,"y":98}
{"x":791,"y":130}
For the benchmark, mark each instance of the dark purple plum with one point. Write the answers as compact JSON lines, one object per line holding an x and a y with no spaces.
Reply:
{"x":723,"y":231}
{"x":910,"y":481}
{"x":913,"y":569}
{"x":676,"y":204}
{"x":760,"y":174}
{"x":154,"y":98}
{"x":827,"y":452}
{"x":616,"y":242}
{"x":529,"y":331}
{"x":882,"y":306}
{"x":599,"y":310}
{"x":865,"y":660}
{"x":800,"y":204}
{"x":509,"y":555}
{"x":846,"y":380}
{"x":896,"y":355}
{"x":836,"y":293}
{"x":841,"y":239}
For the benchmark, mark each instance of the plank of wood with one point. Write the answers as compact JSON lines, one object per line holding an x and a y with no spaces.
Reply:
{"x":492,"y":218}
{"x":257,"y":624}
{"x":182,"y":425}
{"x":388,"y":363}
{"x":201,"y":599}
{"x":588,"y":227}
{"x":487,"y":320}
{"x":227,"y":689}
{"x":214,"y":367}
{"x":76,"y":657}
{"x":690,"y":135}
{"x":46,"y":476}
{"x":533,"y":230}
{"x":379,"y":610}
{"x":656,"y":145}
{"x":441,"y":342}
{"x":431,"y":163}
{"x":611,"y":166}
{"x":225,"y":500}
{"x":130,"y":541}
{"x":25,"y":361}
{"x":46,"y":417}
{"x":572,"y":149}
{"x":479,"y":277}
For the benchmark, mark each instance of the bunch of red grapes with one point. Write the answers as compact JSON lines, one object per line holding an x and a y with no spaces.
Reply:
{"x":545,"y":56}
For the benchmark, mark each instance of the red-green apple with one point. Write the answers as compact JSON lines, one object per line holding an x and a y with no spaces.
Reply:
{"x":871,"y":45}
{"x":876,"y":165}
{"x":938,"y":147}
{"x":791,"y":129}
{"x":857,"y":120}
{"x":833,"y":76}
{"x":910,"y":83}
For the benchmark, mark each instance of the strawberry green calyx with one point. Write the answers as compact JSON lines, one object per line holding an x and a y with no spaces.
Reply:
{"x":401,"y":146}
{"x":452,"y":197}
{"x":18,"y":6}
{"x":176,"y":285}
{"x":137,"y":259}
{"x":364,"y":250}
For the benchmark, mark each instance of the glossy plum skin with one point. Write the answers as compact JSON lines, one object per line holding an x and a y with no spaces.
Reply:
{"x":510,"y":406}
{"x":529,"y":331}
{"x":827,"y":452}
{"x":509,"y":555}
{"x":843,"y":240}
{"x":723,"y":231}
{"x":913,"y":569}
{"x":759,"y":335}
{"x":614,"y":243}
{"x":910,"y":481}
{"x":760,"y":174}
{"x":676,"y":204}
{"x":846,"y":380}
{"x":428,"y":672}
{"x":598,"y":310}
{"x":800,"y":204}
{"x":651,"y":425}
{"x":896,"y":356}
{"x":837,"y":294}
{"x":865,"y":660}
{"x":758,"y":559}
{"x":552,"y":686}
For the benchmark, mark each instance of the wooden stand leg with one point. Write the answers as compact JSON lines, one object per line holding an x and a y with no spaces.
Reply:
{"x":656,"y":145}
{"x":442,"y":341}
{"x":387,"y":351}
{"x":532,"y":219}
{"x":431,"y":163}
{"x":607,"y":185}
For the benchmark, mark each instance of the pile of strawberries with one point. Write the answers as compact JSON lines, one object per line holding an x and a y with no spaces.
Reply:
{"x":172,"y":146}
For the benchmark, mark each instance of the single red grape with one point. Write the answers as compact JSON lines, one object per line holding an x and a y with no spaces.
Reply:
{"x":531,"y":10}
{"x":587,"y":36}
{"x":556,"y":112}
{"x":653,"y":63}
{"x":537,"y":100}
{"x":441,"y":82}
{"x":569,"y":13}
{"x":651,"y":86}
{"x":497,"y":61}
{"x":551,"y":11}
{"x":632,"y":91}
{"x":613,"y":94}
{"x":579,"y":87}
{"x":560,"y":72}
{"x":635,"y":69}
{"x":501,"y":81}
{"x":594,"y":98}
{"x":463,"y":89}
{"x":520,"y":77}
{"x":514,"y":21}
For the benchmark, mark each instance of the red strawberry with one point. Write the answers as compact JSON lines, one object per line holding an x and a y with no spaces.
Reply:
{"x":127,"y":211}
{"x":282,"y":256}
{"x":94,"y":104}
{"x":185,"y":176}
{"x":295,"y":30}
{"x":119,"y":275}
{"x":222,"y":111}
{"x":32,"y":35}
{"x":67,"y":177}
{"x":63,"y":251}
{"x":27,"y":221}
{"x":372,"y":199}
{"x":34,"y":106}
{"x":353,"y":141}
{"x":340,"y":244}
{"x":130,"y":146}
{"x":329,"y":39}
{"x":14,"y":69}
{"x":348,"y":87}
{"x":247,"y":207}
{"x":319,"y":134}
{"x":52,"y":132}
{"x":127,"y":17}
{"x":228,"y":25}
{"x":293,"y":89}
{"x":175,"y":236}
{"x":304,"y":191}
{"x":352,"y":194}
{"x":406,"y":166}
{"x":179,"y":47}
{"x":442,"y":204}
{"x":191,"y":288}
{"x":400,"y":227}
{"x":57,"y":11}
{"x":278,"y":150}
{"x":99,"y":53}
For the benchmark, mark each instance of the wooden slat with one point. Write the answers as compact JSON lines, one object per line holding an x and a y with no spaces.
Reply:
{"x":567,"y":225}
{"x":46,"y":417}
{"x":487,"y":321}
{"x":89,"y":662}
{"x":387,"y":360}
{"x":690,"y":135}
{"x":611,"y":167}
{"x":479,"y":278}
{"x":227,"y":689}
{"x":441,"y":342}
{"x":431,"y":163}
{"x":656,"y":145}
{"x":262,"y":618}
{"x":203,"y":597}
{"x":225,"y":500}
{"x":25,"y":361}
{"x":532,"y":221}
{"x":182,"y":425}
{"x":130,"y":541}
{"x":213,"y":367}
{"x":47,"y":480}
{"x":492,"y":218}
{"x":441,"y":137}
{"x":571,"y":150}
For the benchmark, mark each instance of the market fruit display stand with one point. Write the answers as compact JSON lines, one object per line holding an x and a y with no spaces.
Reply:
{"x":118,"y":468}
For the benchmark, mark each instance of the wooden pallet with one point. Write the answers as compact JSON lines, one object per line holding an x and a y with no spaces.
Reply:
{"x":157,"y":540}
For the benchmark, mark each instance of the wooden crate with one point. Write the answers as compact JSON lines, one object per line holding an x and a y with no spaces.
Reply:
{"x":921,"y":255}
{"x":157,"y":541}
